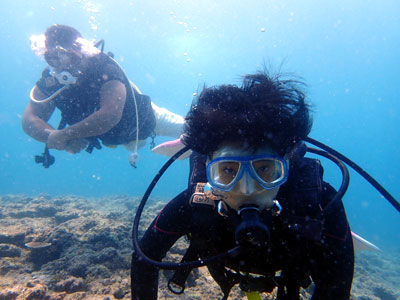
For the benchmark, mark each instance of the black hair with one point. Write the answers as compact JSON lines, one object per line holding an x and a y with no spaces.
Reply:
{"x":265,"y":110}
{"x":61,"y":35}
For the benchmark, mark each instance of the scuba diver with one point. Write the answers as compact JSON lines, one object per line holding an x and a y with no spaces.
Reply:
{"x":96,"y":99}
{"x":254,"y":197}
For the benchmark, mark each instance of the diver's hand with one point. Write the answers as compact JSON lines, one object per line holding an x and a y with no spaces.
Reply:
{"x":76,"y":146}
{"x":57,"y":139}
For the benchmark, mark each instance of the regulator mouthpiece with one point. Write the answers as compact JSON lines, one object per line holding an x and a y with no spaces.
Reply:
{"x":251,"y":232}
{"x":65,"y":78}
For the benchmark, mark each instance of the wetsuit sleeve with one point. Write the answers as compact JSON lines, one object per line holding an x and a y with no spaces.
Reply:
{"x":167,"y":123}
{"x":172,"y":223}
{"x":334,"y":258}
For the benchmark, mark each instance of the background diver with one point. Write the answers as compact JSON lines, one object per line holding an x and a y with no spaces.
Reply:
{"x":252,"y":189}
{"x":96,"y":99}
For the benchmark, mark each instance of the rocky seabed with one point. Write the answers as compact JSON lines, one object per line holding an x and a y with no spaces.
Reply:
{"x":74,"y":248}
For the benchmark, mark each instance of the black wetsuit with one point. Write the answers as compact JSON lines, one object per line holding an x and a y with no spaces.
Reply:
{"x":82,"y":99}
{"x":305,"y":243}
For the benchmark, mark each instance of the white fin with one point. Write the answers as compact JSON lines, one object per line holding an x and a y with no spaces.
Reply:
{"x":362,"y":244}
{"x":170,"y":148}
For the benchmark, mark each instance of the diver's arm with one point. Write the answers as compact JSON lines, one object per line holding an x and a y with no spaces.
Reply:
{"x":113,"y":97}
{"x":36,"y":115}
{"x":334,"y":268}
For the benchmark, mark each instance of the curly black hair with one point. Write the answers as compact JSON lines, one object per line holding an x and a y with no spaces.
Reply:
{"x":264,"y":110}
{"x":61,"y":35}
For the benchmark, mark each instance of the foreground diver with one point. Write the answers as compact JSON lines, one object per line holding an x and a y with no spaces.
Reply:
{"x":95,"y":97}
{"x":252,"y":187}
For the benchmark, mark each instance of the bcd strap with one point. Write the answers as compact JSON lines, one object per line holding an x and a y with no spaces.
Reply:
{"x":177,"y":283}
{"x":180,"y":276}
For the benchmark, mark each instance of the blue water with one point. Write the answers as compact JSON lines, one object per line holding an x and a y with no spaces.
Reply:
{"x":346,"y":51}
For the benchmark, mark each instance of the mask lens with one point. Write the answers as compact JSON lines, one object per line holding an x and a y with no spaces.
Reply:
{"x":269,"y":170}
{"x":51,"y":58}
{"x":224,"y":172}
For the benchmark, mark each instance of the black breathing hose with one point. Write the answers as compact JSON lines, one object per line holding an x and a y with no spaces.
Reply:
{"x":359,"y":170}
{"x":345,"y":174}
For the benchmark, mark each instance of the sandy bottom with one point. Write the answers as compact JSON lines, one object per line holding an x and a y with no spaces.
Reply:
{"x":80,"y":248}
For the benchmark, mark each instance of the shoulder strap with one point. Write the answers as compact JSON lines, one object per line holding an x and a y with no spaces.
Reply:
{"x":300,"y":196}
{"x":180,"y":276}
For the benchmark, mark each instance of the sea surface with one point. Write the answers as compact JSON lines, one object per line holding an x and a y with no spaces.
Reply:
{"x":347,"y":52}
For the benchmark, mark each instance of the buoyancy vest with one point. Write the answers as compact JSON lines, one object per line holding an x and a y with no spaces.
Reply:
{"x":300,"y":223}
{"x":301,"y":200}
{"x":83,"y":99}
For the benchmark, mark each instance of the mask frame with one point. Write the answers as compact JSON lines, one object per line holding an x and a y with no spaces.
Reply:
{"x":247,"y":164}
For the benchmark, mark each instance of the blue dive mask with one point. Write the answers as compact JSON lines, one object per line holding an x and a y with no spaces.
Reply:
{"x":269,"y":171}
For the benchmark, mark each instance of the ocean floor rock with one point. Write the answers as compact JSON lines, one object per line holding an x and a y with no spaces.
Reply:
{"x":73,"y":248}
{"x":7,"y":250}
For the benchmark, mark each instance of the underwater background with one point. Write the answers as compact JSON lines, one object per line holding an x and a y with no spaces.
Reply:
{"x":346,"y":51}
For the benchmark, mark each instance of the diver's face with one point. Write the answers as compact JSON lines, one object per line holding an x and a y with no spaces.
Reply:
{"x":247,"y":190}
{"x":62,"y":60}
